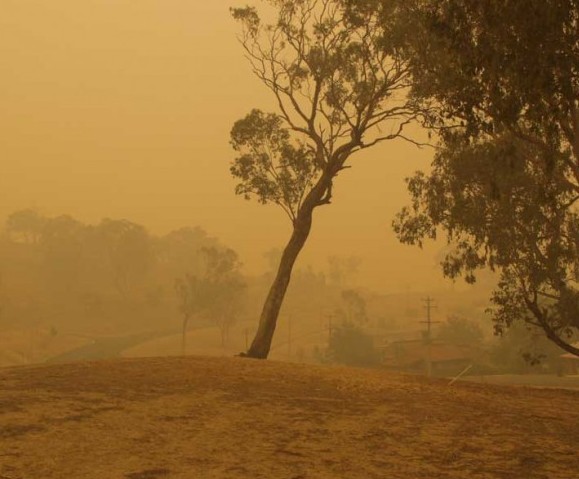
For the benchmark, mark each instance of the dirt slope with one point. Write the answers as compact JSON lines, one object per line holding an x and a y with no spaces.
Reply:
{"x":238,"y":418}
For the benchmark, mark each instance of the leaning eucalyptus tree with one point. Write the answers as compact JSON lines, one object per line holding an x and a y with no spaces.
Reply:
{"x":340,"y":87}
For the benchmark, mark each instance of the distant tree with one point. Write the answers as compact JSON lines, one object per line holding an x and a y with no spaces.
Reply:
{"x":339,"y":89}
{"x":217,"y":293}
{"x":341,"y":271}
{"x":128,"y":249}
{"x":226,"y":285}
{"x":504,"y":184}
{"x":353,"y":309}
{"x":194,"y":297}
{"x":66,"y":273}
{"x":26,"y":225}
{"x":179,"y":252}
{"x":61,"y":247}
{"x":350,"y":345}
{"x":523,"y":348}
{"x":349,"y":342}
{"x":300,"y":302}
{"x":460,"y":331}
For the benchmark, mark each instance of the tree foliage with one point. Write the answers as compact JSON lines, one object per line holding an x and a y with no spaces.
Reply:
{"x":128,"y":250}
{"x":340,"y":88}
{"x":111,"y":274}
{"x":460,"y":331}
{"x":216,"y":293}
{"x":270,"y":166}
{"x":25,"y":224}
{"x":227,"y":286}
{"x":353,"y":308}
{"x":350,"y":345}
{"x":524,"y":348}
{"x":505,"y":182}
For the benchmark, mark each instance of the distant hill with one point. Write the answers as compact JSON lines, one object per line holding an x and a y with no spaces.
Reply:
{"x":233,"y":418}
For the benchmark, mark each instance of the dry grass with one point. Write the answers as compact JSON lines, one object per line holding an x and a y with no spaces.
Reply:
{"x":238,"y":418}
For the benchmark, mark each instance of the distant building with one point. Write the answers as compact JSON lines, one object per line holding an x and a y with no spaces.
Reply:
{"x":412,"y":356}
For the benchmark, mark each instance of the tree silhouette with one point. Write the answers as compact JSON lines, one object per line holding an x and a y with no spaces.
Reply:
{"x":339,"y":89}
{"x":504,"y":185}
{"x":216,"y":293}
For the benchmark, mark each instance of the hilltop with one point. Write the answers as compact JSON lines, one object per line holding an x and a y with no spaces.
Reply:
{"x":198,"y":417}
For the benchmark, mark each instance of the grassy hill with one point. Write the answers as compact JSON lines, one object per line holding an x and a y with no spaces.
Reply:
{"x":231,"y":418}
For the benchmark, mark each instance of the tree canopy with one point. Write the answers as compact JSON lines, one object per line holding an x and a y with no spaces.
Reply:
{"x":504,"y":185}
{"x":59,"y":271}
{"x":216,"y":293}
{"x":339,"y":88}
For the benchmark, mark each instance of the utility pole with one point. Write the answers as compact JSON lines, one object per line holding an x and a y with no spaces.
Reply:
{"x":428,"y":334}
{"x":429,"y":302}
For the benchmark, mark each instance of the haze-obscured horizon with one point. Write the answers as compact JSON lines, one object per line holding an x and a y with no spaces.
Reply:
{"x":122,"y":109}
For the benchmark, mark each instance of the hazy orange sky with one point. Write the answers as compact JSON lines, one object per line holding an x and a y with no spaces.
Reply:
{"x":122,"y":109}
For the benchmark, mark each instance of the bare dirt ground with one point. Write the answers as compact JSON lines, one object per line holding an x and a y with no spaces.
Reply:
{"x":231,"y":418}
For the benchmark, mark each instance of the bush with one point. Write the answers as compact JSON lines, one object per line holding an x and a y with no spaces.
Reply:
{"x":350,"y":345}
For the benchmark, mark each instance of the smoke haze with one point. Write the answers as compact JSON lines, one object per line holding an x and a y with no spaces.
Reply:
{"x":123,"y":109}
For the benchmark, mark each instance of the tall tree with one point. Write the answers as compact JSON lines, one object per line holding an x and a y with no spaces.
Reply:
{"x":226,"y":286}
{"x":340,"y":88}
{"x":504,"y":184}
{"x":26,"y":224}
{"x":193,"y":296}
{"x":460,"y":331}
{"x":61,"y":244}
{"x":216,"y":293}
{"x":179,"y":252}
{"x":353,"y":310}
{"x":129,"y":252}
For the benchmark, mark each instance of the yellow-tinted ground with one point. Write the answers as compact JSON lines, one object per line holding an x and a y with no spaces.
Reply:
{"x":231,"y":418}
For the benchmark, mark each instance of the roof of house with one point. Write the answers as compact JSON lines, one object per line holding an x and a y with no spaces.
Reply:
{"x":406,"y":353}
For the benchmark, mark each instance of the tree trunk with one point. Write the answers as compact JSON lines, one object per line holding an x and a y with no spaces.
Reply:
{"x":549,"y":331}
{"x":262,"y":342}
